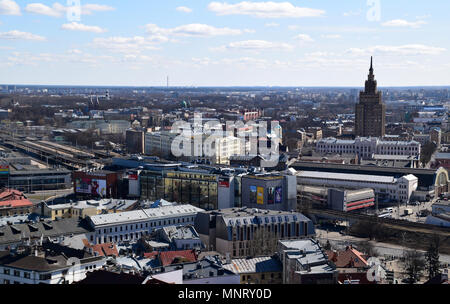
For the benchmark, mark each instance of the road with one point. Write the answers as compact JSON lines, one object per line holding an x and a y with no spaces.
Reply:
{"x":340,"y":241}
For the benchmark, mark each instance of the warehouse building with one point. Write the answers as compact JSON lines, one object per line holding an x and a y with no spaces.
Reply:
{"x":386,"y":188}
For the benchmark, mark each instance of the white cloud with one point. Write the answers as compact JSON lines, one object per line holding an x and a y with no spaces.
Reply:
{"x":184,"y":9}
{"x":135,"y":44}
{"x":271,"y":24}
{"x":9,"y":7}
{"x":58,"y":10}
{"x":255,"y":45}
{"x":264,"y":9}
{"x":303,"y":37}
{"x":89,"y":9}
{"x":74,"y":26}
{"x":402,"y":50}
{"x":192,"y":30}
{"x":18,"y":35}
{"x":331,"y":36}
{"x":352,"y":13}
{"x":404,"y":23}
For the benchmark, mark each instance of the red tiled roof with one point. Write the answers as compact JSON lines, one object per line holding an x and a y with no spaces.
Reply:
{"x":105,"y":249}
{"x":349,"y":258}
{"x":16,"y":203}
{"x":11,"y":194}
{"x":149,"y":255}
{"x":180,"y":256}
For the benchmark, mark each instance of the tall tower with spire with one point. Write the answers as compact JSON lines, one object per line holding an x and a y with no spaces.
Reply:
{"x":370,"y":112}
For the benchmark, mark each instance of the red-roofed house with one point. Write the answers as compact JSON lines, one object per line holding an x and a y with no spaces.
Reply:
{"x":104,"y":249}
{"x":14,"y":202}
{"x":348,"y":258}
{"x":177,"y":257}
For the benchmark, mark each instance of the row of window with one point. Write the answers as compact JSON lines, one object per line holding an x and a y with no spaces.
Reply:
{"x":146,"y":225}
{"x":26,"y":275}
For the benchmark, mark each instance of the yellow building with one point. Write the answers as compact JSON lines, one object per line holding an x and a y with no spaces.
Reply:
{"x":83,"y":209}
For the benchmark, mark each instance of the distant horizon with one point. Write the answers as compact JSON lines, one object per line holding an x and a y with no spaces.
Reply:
{"x":219,"y":86}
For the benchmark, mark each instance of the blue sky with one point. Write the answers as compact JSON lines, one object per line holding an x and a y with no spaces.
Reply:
{"x":225,"y":43}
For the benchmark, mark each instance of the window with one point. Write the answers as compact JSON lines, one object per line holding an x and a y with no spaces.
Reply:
{"x":26,"y":275}
{"x":16,"y":273}
{"x":45,"y":277}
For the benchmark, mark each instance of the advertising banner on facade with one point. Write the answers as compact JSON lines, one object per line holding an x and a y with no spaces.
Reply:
{"x":270,"y":195}
{"x":252,"y":194}
{"x":278,"y":195}
{"x":95,"y":187}
{"x":260,"y":196}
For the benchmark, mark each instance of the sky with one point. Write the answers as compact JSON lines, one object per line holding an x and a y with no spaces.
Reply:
{"x":224,"y":43}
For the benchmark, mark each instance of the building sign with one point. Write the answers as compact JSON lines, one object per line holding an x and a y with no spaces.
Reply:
{"x":4,"y":169}
{"x":270,"y":195}
{"x":133,"y":177}
{"x":95,"y":187}
{"x":260,"y":196}
{"x":252,"y":194}
{"x":224,"y":182}
{"x":278,"y":195}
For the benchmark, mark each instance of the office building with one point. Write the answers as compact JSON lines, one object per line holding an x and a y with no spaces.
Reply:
{"x":242,"y":232}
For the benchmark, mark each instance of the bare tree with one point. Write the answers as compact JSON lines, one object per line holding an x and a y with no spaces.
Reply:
{"x":432,"y":257}
{"x":414,"y":264}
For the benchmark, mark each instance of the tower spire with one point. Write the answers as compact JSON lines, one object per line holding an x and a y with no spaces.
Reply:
{"x":371,"y":65}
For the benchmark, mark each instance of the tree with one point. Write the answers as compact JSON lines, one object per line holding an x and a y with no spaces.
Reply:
{"x":264,"y":242}
{"x":414,"y":265}
{"x":427,"y":152}
{"x":432,"y":258}
{"x":368,"y":249}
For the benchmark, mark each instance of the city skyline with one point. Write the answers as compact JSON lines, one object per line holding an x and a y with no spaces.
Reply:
{"x":220,"y":44}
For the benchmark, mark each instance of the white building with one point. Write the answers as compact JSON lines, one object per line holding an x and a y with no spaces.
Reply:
{"x":218,"y":151}
{"x":385,"y":187}
{"x":132,"y":225}
{"x":366,"y":147}
{"x":35,"y":269}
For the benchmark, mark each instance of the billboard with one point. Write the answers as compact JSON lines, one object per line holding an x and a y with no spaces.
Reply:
{"x":4,"y":169}
{"x":252,"y":194}
{"x":94,"y":187}
{"x":278,"y":195}
{"x":260,"y":196}
{"x":270,"y":195}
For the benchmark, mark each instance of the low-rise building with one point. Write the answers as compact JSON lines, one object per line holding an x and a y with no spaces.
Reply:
{"x":181,"y":237}
{"x":257,"y":270}
{"x":305,"y":262}
{"x":366,"y":147}
{"x":132,"y":225}
{"x":14,"y":202}
{"x":46,"y":267}
{"x":82,"y":209}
